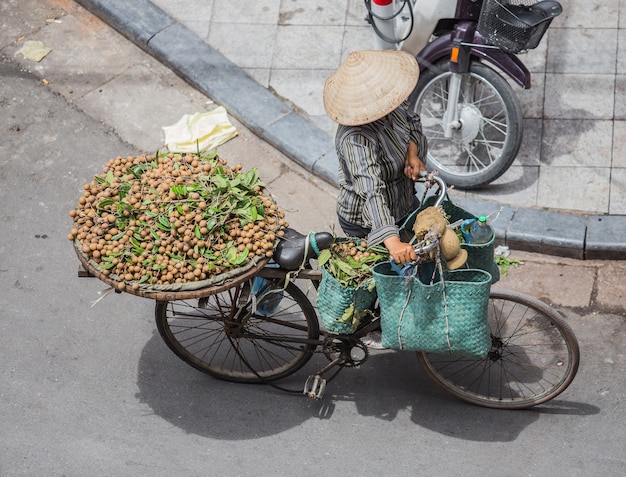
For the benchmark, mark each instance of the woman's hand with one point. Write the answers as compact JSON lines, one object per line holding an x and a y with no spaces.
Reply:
{"x":412,"y":164}
{"x":401,"y":252}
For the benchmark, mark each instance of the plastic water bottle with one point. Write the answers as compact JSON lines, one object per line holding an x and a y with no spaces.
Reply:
{"x":480,"y":231}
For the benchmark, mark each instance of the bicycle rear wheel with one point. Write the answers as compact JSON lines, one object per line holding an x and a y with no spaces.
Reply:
{"x":534,"y":357}
{"x":221,"y":336}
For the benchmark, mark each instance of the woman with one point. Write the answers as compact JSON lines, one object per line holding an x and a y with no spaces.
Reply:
{"x":379,"y":144}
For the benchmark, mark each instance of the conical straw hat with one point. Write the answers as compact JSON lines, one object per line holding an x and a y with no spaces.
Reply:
{"x":368,"y":85}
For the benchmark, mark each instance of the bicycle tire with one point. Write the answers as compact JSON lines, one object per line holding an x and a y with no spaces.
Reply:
{"x":224,"y":339}
{"x":491,"y":125}
{"x":533,"y":358}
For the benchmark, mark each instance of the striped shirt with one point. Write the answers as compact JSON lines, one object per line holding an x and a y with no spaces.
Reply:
{"x":374,"y":193}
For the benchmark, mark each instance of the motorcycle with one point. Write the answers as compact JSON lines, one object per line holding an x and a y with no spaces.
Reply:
{"x":469,"y":111}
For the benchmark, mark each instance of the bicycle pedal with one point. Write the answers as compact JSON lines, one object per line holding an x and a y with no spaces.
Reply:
{"x":314,"y":386}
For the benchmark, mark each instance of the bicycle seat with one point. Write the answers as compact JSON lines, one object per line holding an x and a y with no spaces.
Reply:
{"x":289,"y":253}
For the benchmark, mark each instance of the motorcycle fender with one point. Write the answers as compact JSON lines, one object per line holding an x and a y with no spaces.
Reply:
{"x":441,"y":48}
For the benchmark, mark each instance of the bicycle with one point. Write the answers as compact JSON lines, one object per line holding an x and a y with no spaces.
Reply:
{"x":534,"y":354}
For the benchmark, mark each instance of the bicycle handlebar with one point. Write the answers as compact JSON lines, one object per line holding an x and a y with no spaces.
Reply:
{"x":425,"y":247}
{"x":443,"y":188}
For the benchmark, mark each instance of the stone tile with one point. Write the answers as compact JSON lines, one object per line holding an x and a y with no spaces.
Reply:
{"x":588,"y":14}
{"x":518,"y":185}
{"x":576,"y":96}
{"x":15,"y":22}
{"x":531,"y":100}
{"x":574,"y":188}
{"x":547,"y":232}
{"x":618,"y":191}
{"x":200,"y":28}
{"x":305,"y":12}
{"x":141,"y":101}
{"x":67,"y":41}
{"x":308,"y":47}
{"x":260,"y":75}
{"x":605,"y":237}
{"x":620,"y":96}
{"x":187,"y":10}
{"x":621,"y":49}
{"x":619,"y":144}
{"x":244,"y":11}
{"x":611,"y":291}
{"x":559,"y":284}
{"x":356,"y":38}
{"x":299,"y":213}
{"x":324,"y":123}
{"x":578,"y":50}
{"x":356,"y":14}
{"x":622,"y":17}
{"x":304,"y":87}
{"x":577,"y":143}
{"x":246,"y":45}
{"x":530,"y":151}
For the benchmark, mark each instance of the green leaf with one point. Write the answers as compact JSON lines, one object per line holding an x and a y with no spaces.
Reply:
{"x":164,"y":223}
{"x":323,"y":257}
{"x":105,"y":203}
{"x":210,"y":225}
{"x":347,"y":269}
{"x":219,"y":182}
{"x":242,"y":257}
{"x":347,"y":314}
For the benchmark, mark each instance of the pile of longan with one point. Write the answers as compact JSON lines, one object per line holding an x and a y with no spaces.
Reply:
{"x":173,"y":218}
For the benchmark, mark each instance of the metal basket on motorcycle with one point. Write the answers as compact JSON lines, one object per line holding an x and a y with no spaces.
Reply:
{"x":516,"y":25}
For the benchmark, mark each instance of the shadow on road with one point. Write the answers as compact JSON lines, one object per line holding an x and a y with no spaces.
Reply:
{"x":388,"y":385}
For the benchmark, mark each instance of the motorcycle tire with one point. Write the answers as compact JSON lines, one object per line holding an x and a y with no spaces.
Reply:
{"x":490,"y":132}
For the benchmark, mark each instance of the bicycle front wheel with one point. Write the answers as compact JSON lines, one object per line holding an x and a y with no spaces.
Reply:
{"x":534,"y":357}
{"x":227,"y":337}
{"x":489,"y":136}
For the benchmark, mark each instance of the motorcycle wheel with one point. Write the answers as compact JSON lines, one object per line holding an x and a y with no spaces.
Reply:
{"x":490,"y":135}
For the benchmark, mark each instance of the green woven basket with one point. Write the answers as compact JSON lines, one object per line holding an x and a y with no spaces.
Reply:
{"x":333,"y":299}
{"x":479,"y":256}
{"x":417,"y":316}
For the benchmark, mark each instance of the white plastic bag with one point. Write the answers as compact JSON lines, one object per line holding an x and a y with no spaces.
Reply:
{"x":200,"y":131}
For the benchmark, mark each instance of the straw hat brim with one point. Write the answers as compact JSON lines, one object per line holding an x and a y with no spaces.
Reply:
{"x":369,"y":85}
{"x":457,"y":261}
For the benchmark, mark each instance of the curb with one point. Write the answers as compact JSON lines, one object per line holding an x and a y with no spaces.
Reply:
{"x":582,"y":237}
